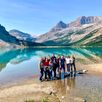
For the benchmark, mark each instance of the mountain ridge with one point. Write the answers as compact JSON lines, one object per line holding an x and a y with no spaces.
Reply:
{"x":21,"y":35}
{"x":74,"y":31}
{"x":59,"y":26}
{"x":84,"y":31}
{"x":8,"y":40}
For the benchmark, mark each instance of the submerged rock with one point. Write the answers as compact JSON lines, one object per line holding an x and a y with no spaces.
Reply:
{"x":78,"y":99}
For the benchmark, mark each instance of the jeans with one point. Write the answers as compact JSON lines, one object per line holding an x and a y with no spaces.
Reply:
{"x":47,"y":73}
{"x":42,"y":73}
{"x":54,"y":69}
{"x":63,"y":67}
{"x":73,"y":67}
{"x":68,"y":67}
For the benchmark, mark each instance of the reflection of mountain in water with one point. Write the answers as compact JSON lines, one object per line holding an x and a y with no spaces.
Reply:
{"x":15,"y":56}
{"x":19,"y":55}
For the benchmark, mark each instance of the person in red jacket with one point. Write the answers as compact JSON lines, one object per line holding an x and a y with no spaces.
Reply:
{"x":46,"y":67}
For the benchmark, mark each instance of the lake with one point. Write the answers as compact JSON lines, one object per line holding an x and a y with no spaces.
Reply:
{"x":20,"y":64}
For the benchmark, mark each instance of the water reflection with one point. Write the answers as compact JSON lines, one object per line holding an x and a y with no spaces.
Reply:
{"x":20,"y":55}
{"x":87,"y":87}
{"x":18,"y":63}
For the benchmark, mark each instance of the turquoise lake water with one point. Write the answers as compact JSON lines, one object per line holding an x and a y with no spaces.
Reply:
{"x":19,"y":64}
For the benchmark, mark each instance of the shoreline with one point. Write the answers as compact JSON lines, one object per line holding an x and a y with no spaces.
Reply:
{"x":36,"y":90}
{"x":92,"y":68}
{"x":53,"y":46}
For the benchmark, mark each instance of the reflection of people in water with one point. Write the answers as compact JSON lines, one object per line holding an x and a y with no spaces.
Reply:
{"x":71,"y":82}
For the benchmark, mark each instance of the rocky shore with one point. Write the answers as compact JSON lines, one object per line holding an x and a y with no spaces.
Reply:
{"x":50,"y":91}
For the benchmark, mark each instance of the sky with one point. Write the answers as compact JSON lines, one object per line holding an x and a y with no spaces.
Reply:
{"x":39,"y":16}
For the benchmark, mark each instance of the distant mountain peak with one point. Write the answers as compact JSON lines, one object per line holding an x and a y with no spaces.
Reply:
{"x":21,"y":35}
{"x":85,"y":20}
{"x":61,"y":23}
{"x":89,"y":19}
{"x":59,"y":26}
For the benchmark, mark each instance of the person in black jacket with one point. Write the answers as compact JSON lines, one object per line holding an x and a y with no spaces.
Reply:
{"x":54,"y":62}
{"x":41,"y":68}
{"x":73,"y":66}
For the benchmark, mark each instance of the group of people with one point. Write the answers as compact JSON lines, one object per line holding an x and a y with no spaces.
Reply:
{"x":50,"y":66}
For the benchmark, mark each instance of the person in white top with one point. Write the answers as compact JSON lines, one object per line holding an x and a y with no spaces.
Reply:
{"x":68,"y":63}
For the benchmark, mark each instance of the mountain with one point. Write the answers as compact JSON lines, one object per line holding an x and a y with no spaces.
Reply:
{"x":7,"y":40}
{"x":84,"y":31}
{"x":21,"y":35}
{"x":84,"y":20}
{"x":59,"y":26}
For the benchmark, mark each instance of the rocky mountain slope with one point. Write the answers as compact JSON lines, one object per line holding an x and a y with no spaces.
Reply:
{"x":7,"y":40}
{"x":21,"y":35}
{"x":85,"y":20}
{"x":59,"y":26}
{"x":83,"y":31}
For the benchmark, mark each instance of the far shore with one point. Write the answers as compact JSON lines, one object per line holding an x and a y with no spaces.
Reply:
{"x":53,"y":46}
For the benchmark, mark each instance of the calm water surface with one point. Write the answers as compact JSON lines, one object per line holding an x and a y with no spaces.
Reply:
{"x":19,"y":64}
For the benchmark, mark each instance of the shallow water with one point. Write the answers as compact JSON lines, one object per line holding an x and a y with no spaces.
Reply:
{"x":19,"y":64}
{"x":88,"y":87}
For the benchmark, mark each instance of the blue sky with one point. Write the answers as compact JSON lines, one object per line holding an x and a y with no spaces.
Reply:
{"x":39,"y":16}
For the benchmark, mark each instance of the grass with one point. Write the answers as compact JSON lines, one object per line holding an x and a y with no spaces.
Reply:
{"x":44,"y":100}
{"x":29,"y":101}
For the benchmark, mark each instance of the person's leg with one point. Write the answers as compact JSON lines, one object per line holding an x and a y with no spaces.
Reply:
{"x":59,"y":72}
{"x":54,"y":69}
{"x":58,"y":68}
{"x":74,"y":67}
{"x":71,"y":70}
{"x":64,"y":68}
{"x":54,"y":72}
{"x":49,"y":74}
{"x":45,"y":74}
{"x":41,"y":74}
{"x":68,"y":67}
